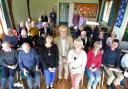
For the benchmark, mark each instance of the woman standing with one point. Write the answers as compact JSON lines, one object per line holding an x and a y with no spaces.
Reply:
{"x":77,"y":61}
{"x":49,"y":59}
{"x":9,"y":64}
{"x":94,"y":57}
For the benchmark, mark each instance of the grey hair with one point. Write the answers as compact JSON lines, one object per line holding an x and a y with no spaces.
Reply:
{"x":24,"y":45}
{"x":5,"y":43}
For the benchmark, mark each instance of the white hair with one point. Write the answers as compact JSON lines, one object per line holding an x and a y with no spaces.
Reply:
{"x":5,"y":45}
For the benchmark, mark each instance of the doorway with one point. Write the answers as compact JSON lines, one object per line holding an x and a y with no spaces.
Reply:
{"x":63,"y":13}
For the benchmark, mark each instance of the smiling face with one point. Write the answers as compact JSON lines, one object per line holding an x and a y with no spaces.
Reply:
{"x":78,"y":44}
{"x":26,"y":47}
{"x":49,"y":39}
{"x":114,"y":45}
{"x":63,"y":31}
{"x":97,"y":45}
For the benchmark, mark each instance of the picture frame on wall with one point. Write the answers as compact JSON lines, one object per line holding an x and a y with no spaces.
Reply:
{"x":89,"y":9}
{"x":125,"y":37}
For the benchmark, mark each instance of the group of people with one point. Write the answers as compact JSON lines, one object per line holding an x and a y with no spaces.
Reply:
{"x":81,"y":56}
{"x":78,"y":19}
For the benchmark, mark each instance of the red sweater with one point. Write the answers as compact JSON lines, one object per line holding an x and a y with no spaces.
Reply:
{"x":92,"y":59}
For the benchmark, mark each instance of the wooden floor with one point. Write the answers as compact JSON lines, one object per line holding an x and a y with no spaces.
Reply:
{"x":67,"y":85}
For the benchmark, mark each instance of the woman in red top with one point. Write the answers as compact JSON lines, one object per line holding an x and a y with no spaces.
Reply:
{"x":94,"y":57}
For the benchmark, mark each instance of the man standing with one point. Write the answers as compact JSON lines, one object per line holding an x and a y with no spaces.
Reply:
{"x":64,"y":43}
{"x":53,"y":16}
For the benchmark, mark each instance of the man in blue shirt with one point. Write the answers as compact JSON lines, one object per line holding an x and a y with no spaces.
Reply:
{"x":29,"y":63}
{"x":111,"y":62}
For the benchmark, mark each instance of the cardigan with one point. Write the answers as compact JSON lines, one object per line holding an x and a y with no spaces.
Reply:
{"x":94,"y":60}
{"x":77,"y":64}
{"x":49,"y":56}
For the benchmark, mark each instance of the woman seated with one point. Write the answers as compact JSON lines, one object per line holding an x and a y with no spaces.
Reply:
{"x":94,"y":57}
{"x":25,"y":39}
{"x":77,"y":61}
{"x":9,"y":63}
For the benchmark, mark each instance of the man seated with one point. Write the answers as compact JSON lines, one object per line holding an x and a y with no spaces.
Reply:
{"x":111,"y":61}
{"x":29,"y":63}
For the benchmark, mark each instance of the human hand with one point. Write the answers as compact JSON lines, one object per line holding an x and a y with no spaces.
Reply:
{"x":25,"y":72}
{"x":37,"y":68}
{"x":13,"y":66}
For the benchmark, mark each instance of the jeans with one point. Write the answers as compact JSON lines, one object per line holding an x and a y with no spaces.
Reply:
{"x":93,"y":78}
{"x":49,"y":77}
{"x":33,"y":74}
{"x":6,"y":72}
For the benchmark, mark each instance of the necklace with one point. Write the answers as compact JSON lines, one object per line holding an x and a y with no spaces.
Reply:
{"x":49,"y":53}
{"x":76,"y":55}
{"x":48,"y":49}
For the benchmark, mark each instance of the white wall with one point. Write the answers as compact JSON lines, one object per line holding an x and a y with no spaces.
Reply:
{"x":20,"y":13}
{"x":38,"y":6}
{"x":120,"y":31}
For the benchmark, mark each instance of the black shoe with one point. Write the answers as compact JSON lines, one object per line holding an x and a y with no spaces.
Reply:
{"x":109,"y":87}
{"x":37,"y":87}
{"x":51,"y":86}
{"x":113,"y":86}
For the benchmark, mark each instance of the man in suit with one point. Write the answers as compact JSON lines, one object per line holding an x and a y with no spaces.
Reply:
{"x":64,"y":43}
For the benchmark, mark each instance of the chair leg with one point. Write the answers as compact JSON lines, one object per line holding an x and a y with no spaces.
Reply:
{"x":82,"y":83}
{"x":102,"y":81}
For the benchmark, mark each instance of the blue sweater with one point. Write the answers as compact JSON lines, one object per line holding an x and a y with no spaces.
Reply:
{"x":111,"y":57}
{"x":28,"y":60}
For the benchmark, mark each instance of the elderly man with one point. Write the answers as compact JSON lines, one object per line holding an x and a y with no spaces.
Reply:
{"x":8,"y":58}
{"x":64,"y":43}
{"x":29,"y":63}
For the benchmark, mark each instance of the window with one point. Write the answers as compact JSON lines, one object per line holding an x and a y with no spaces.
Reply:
{"x":3,"y":25}
{"x":107,"y":10}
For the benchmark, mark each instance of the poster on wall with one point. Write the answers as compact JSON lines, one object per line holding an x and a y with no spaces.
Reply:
{"x":125,"y":37}
{"x":89,"y":9}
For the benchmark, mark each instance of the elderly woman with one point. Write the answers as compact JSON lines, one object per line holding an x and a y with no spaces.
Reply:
{"x":94,"y":57}
{"x":77,"y":61}
{"x":49,"y":59}
{"x":85,"y":40}
{"x":9,"y":64}
{"x":25,"y":39}
{"x":45,"y":30}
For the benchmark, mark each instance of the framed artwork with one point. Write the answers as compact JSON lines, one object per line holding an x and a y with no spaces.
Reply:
{"x":89,"y":9}
{"x":125,"y":37}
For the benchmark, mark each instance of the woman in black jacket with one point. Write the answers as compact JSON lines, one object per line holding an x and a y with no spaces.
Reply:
{"x":49,"y":59}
